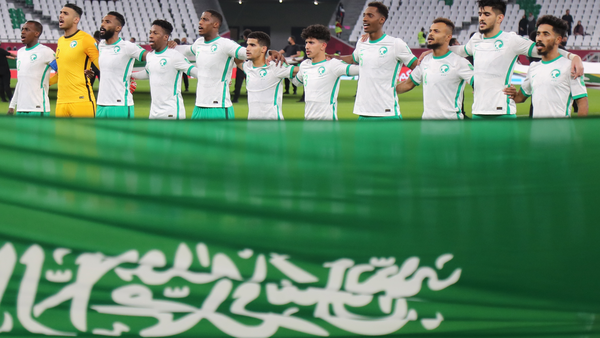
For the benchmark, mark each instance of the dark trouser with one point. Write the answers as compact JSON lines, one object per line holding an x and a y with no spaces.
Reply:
{"x":287,"y":86}
{"x":186,"y":82}
{"x":239,"y":79}
{"x":5,"y":92}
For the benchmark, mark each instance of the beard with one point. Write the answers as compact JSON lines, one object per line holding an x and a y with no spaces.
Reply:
{"x":486,"y":30}
{"x":434,"y":45}
{"x":107,"y":34}
{"x":547,"y":49}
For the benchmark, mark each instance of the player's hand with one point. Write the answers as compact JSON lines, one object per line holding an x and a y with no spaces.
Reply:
{"x":132,"y":86}
{"x":576,"y":67}
{"x":423,"y":56}
{"x":171,"y":44}
{"x":364,"y":38}
{"x":511,"y":92}
{"x":11,"y":111}
{"x":277,"y":57}
{"x":89,"y":73}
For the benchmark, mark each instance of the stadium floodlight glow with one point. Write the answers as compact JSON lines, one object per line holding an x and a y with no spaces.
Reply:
{"x":240,"y":2}
{"x":316,"y":2}
{"x":280,"y":1}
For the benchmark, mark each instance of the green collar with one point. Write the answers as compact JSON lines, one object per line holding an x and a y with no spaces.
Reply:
{"x":37,"y":44}
{"x":381,"y":38}
{"x":213,"y":40}
{"x":115,"y":42}
{"x":493,"y":37}
{"x":548,"y":62}
{"x":162,"y":51}
{"x":316,"y":63}
{"x":443,"y":56}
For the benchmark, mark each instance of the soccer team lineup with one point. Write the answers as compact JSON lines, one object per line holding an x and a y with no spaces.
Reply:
{"x":555,"y":85}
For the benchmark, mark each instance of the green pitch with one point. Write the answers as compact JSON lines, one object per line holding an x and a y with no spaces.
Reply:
{"x":411,"y":104}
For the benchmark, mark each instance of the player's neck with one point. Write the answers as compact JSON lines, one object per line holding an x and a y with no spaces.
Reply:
{"x":32,"y":43}
{"x":211,"y":36}
{"x":260,"y":62}
{"x":113,"y":39}
{"x":551,"y":56}
{"x":318,"y":58}
{"x":376,"y":35}
{"x":492,"y":33}
{"x":441,"y":51}
{"x":71,"y":31}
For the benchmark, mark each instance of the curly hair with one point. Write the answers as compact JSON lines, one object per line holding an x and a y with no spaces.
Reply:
{"x":318,"y":32}
{"x":381,"y":8}
{"x":262,"y":38}
{"x":559,"y":26}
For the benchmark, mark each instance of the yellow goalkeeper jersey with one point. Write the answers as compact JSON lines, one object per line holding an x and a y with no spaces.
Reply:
{"x":75,"y":54}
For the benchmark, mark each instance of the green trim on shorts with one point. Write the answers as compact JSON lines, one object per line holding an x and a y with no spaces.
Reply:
{"x":494,"y":117}
{"x":115,"y":112}
{"x":32,"y":114}
{"x":213,"y":113}
{"x":378,"y":118}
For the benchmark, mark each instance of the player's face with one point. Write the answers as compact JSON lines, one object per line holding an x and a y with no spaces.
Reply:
{"x":254,"y":51}
{"x":439,"y":35}
{"x":546,"y":39}
{"x":207,"y":25}
{"x":314,"y":47}
{"x":109,"y":26}
{"x":488,"y":19}
{"x":67,"y":18}
{"x":157,"y":38}
{"x":29,"y":33}
{"x":372,"y":20}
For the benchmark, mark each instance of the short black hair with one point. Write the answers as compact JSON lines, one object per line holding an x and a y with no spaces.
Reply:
{"x":453,"y":41}
{"x":262,"y":38}
{"x":381,"y":8}
{"x":559,"y":26}
{"x":76,"y":8}
{"x":498,"y":6}
{"x":177,"y":41}
{"x":448,"y":23}
{"x":38,"y":26}
{"x":318,"y":32}
{"x":215,"y":15}
{"x":165,"y":25}
{"x":293,"y":38}
{"x":119,"y":17}
{"x":134,"y":40}
{"x":246,"y":33}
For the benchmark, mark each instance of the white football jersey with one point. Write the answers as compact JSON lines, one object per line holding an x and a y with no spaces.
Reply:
{"x":214,"y":60}
{"x":380,"y":62}
{"x":321,"y":83}
{"x":165,"y":69}
{"x":116,"y":64}
{"x":444,"y":79}
{"x":33,"y":73}
{"x":265,"y":90}
{"x":553,"y":88}
{"x":494,"y":60}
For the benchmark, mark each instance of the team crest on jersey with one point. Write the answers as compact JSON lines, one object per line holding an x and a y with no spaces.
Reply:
{"x":555,"y":73}
{"x":213,"y":48}
{"x":163,"y":62}
{"x":499,"y":44}
{"x":73,"y":44}
{"x":383,"y":51}
{"x":262,"y":73}
{"x":321,"y":70}
{"x":444,"y":69}
{"x":117,"y":49}
{"x":33,"y":57}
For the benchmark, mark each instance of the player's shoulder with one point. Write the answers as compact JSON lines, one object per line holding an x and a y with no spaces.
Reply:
{"x":85,"y":36}
{"x":476,"y":37}
{"x":45,"y":49}
{"x":457,"y":59}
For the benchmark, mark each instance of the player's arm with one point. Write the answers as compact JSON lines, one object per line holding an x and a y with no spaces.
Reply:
{"x":583,"y":106}
{"x":239,"y":63}
{"x":143,"y":75}
{"x":349,"y":59}
{"x":298,"y":78}
{"x":404,"y":54}
{"x":53,"y":80}
{"x":527,"y":47}
{"x":405,"y":86}
{"x":13,"y":102}
{"x":91,"y":50}
{"x":519,"y":96}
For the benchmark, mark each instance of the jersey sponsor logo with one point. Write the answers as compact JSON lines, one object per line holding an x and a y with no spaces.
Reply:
{"x":383,"y":51}
{"x":321,"y":70}
{"x":117,"y":49}
{"x":262,"y":73}
{"x":444,"y":68}
{"x":163,"y":62}
{"x":33,"y":57}
{"x":499,"y":44}
{"x":73,"y":44}
{"x":214,"y":48}
{"x":555,"y":73}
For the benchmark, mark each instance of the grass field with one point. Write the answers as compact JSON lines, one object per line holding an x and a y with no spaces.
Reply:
{"x":411,"y":104}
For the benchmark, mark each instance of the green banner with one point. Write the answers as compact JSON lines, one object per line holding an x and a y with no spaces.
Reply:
{"x":299,"y":229}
